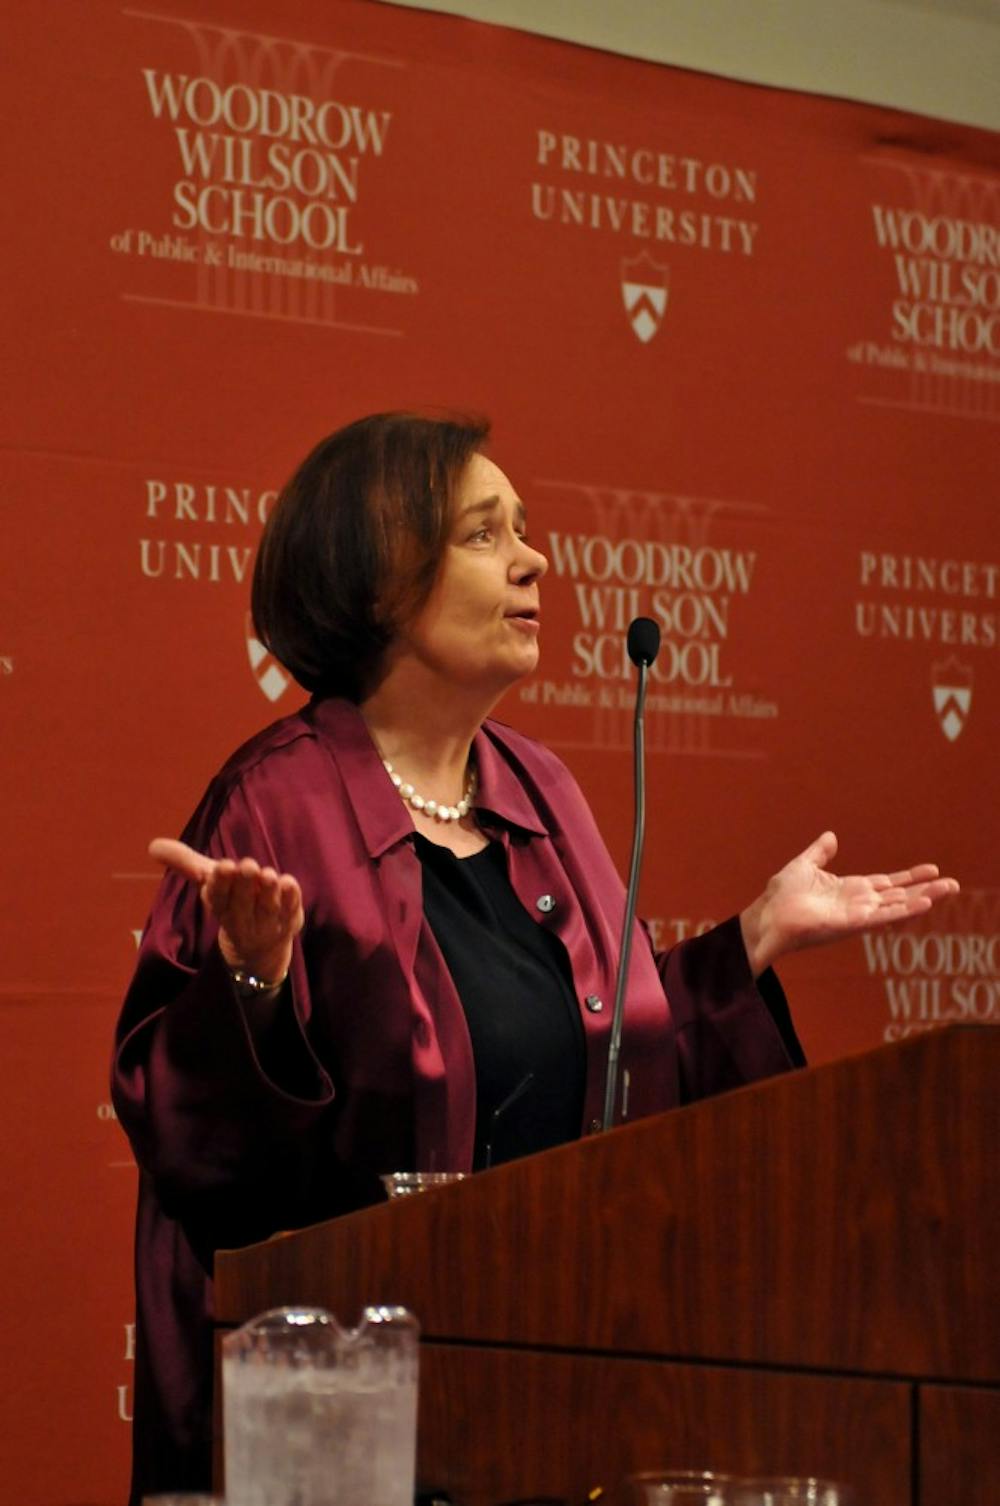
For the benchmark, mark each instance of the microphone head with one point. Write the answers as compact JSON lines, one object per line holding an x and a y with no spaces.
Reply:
{"x":643,"y":640}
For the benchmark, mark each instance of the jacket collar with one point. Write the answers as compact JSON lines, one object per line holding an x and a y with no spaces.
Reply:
{"x":501,"y":792}
{"x":381,"y":815}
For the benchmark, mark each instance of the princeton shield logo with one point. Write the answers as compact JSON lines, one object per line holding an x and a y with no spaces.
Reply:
{"x":951,"y":687}
{"x":644,"y":291}
{"x":270,"y":677}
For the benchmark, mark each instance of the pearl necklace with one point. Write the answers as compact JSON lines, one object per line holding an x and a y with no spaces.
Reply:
{"x":431,"y":807}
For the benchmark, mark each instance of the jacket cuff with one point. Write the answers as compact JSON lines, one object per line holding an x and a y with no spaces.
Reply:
{"x":731,"y":1029}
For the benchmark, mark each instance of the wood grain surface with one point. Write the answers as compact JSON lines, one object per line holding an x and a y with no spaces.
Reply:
{"x":502,"y":1425}
{"x":960,"y":1445}
{"x":843,"y":1219}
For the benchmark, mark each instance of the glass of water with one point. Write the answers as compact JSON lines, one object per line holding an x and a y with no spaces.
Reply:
{"x":681,"y":1487}
{"x":406,"y":1183}
{"x":786,"y":1490}
{"x":705,"y":1488}
{"x":318,"y":1415}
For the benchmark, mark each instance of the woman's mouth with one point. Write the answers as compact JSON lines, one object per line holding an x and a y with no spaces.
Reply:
{"x":528,"y":620}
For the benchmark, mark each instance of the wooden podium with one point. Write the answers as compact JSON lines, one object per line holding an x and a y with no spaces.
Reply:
{"x":798,"y":1277}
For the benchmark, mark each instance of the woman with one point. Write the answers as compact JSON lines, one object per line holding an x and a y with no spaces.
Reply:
{"x":387,"y":938}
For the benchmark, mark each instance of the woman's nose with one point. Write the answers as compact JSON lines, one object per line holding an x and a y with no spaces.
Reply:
{"x":528,"y":564}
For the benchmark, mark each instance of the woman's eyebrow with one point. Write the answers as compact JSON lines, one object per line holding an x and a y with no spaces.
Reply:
{"x":486,"y":505}
{"x":490,"y":504}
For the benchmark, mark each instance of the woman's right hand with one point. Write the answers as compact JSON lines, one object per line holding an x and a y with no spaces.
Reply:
{"x":258,"y":909}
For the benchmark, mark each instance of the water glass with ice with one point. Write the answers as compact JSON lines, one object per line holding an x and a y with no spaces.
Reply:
{"x":318,"y":1415}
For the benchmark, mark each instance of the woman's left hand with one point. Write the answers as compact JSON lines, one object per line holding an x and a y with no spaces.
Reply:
{"x":803,"y":905}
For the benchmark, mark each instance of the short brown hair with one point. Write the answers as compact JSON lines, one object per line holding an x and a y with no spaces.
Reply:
{"x":352,"y":545}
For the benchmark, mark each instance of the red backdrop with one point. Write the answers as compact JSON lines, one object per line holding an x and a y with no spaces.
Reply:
{"x":742,"y":351}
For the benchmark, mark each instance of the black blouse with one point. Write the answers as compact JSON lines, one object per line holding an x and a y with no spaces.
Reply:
{"x":514,"y":981}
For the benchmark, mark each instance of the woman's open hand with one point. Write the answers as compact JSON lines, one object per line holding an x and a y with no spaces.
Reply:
{"x":258,"y":909}
{"x":803,"y":905}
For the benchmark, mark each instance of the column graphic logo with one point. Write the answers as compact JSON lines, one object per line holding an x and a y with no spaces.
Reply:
{"x":916,"y":603}
{"x":277,"y":147}
{"x":935,"y":243}
{"x":671,"y":201}
{"x":626,"y":552}
{"x":940,"y":977}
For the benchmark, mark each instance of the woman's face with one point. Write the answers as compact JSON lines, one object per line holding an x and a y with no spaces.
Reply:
{"x":479,"y":627}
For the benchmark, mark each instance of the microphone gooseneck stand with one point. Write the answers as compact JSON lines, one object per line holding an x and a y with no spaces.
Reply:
{"x":643,"y":647}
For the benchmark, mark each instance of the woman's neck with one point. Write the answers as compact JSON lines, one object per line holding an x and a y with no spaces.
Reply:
{"x":427,"y":738}
{"x":425,"y":731}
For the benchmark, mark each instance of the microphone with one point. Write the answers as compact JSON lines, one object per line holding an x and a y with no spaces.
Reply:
{"x":643,"y":646}
{"x":643,"y":641}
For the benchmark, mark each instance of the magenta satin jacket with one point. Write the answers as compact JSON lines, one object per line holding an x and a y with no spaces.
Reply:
{"x":372,"y":1071}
